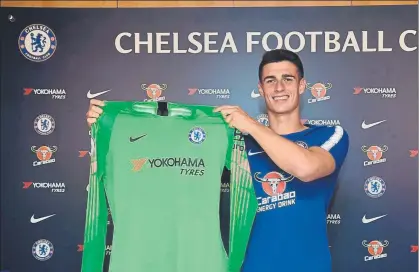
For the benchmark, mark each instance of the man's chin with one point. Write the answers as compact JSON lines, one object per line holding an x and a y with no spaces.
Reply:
{"x":279,"y":110}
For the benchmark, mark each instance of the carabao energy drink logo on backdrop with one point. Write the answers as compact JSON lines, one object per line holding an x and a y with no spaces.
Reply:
{"x":319,"y":92}
{"x":154,"y":91}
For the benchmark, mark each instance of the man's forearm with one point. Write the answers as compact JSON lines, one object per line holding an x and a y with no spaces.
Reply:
{"x":287,"y":155}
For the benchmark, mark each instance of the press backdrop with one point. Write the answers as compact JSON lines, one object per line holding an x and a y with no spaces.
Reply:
{"x":362,"y":70}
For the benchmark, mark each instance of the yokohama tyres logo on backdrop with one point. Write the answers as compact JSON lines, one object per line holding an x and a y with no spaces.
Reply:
{"x":333,"y":219}
{"x":54,"y":93}
{"x":219,"y":93}
{"x":383,"y":92}
{"x":263,"y":119}
{"x":320,"y":122}
{"x":55,"y":187}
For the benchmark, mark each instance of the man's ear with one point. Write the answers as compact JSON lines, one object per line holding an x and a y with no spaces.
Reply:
{"x":302,"y":86}
{"x":260,"y":89}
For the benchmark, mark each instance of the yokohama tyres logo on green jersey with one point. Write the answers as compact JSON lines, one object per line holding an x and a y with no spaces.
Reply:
{"x":187,"y":166}
{"x":55,"y":187}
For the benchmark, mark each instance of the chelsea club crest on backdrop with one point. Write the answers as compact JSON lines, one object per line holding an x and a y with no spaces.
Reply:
{"x":37,"y":42}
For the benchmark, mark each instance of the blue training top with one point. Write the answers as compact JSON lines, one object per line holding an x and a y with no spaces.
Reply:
{"x":290,"y":228}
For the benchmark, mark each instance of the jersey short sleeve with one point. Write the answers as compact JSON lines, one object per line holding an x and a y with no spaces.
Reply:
{"x":336,"y":141}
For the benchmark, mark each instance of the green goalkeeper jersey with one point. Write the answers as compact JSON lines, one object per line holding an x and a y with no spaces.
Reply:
{"x":161,"y":178}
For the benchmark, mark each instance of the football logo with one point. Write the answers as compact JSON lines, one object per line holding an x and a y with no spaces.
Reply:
{"x":263,"y":119}
{"x":42,"y":250}
{"x":374,"y":187}
{"x":197,"y":135}
{"x":44,"y":124}
{"x":302,"y":144}
{"x":37,"y":42}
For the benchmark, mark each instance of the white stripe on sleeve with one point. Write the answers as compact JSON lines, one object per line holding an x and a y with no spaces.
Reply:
{"x":334,"y":139}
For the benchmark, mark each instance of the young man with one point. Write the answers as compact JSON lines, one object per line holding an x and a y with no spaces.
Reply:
{"x":294,"y":168}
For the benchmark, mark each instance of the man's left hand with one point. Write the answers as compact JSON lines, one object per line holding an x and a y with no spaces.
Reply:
{"x":237,"y":118}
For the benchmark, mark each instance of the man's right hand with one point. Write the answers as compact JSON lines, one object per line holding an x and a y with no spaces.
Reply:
{"x":94,"y":111}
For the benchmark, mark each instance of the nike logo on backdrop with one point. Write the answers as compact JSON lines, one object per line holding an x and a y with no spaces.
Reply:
{"x":37,"y":220}
{"x":254,"y":153}
{"x":90,"y":95}
{"x":366,"y":221}
{"x":255,"y":94}
{"x":132,"y":139}
{"x":365,"y":126}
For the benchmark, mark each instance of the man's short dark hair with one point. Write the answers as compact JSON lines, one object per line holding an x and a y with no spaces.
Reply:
{"x":278,"y":55}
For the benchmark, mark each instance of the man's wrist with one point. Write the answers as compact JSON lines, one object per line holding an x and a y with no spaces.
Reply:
{"x":255,"y":127}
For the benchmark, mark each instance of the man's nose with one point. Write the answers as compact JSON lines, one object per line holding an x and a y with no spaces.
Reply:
{"x":279,"y":86}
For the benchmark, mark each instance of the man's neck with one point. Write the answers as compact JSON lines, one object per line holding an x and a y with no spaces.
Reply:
{"x":283,"y":124}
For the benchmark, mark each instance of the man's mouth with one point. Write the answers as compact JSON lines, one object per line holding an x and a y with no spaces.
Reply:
{"x":280,"y":97}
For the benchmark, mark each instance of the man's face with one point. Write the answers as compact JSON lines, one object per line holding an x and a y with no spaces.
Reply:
{"x":281,"y":87}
